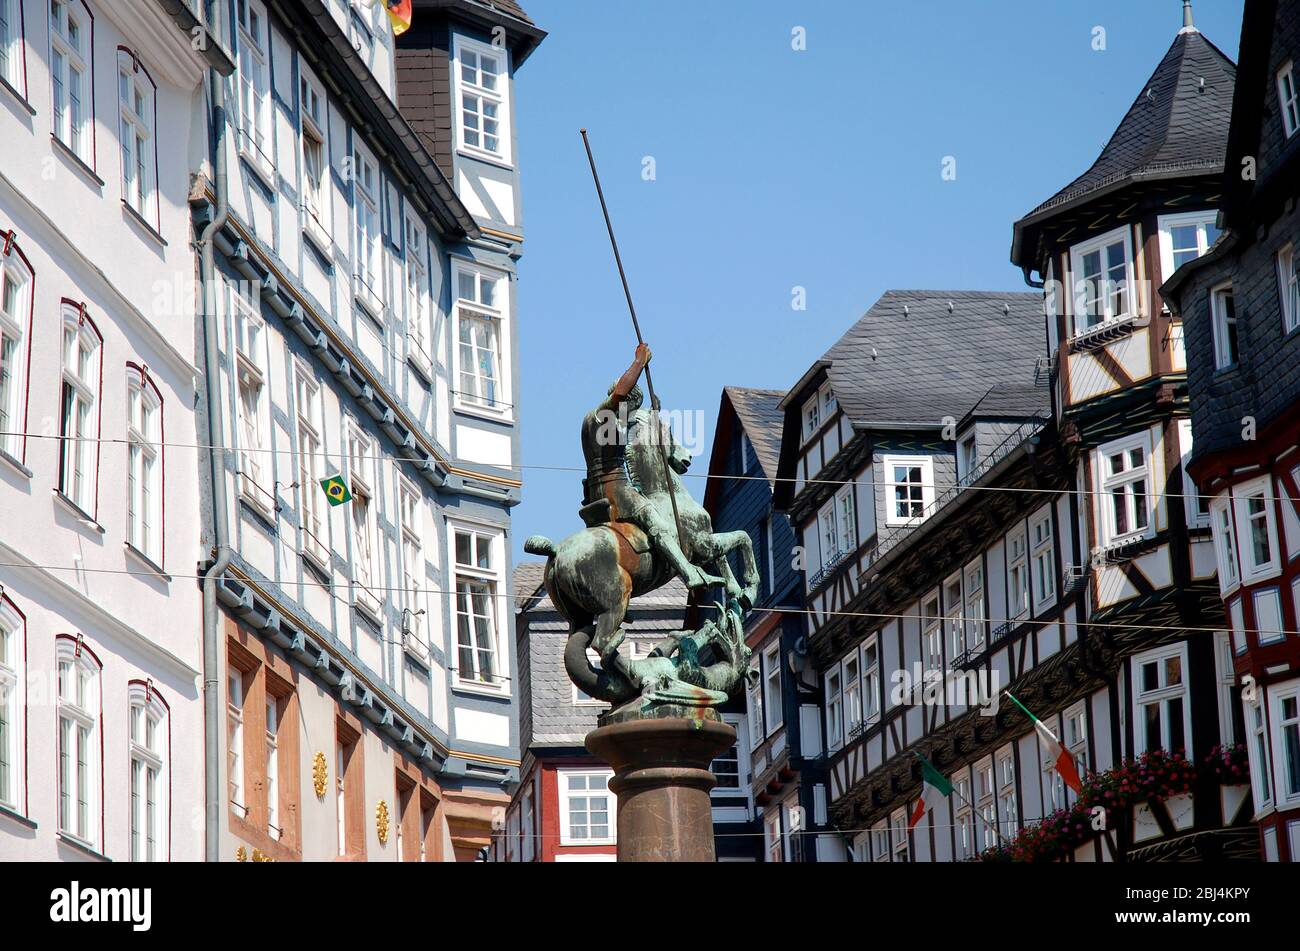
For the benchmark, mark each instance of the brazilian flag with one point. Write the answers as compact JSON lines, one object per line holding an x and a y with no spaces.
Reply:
{"x":336,"y":490}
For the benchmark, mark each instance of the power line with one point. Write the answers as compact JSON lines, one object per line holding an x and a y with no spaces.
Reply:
{"x":644,"y":603}
{"x":521,"y":467}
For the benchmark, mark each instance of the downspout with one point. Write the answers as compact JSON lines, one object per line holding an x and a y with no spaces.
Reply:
{"x":217,"y":458}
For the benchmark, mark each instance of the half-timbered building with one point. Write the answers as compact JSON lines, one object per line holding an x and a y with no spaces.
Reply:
{"x":1241,"y":309}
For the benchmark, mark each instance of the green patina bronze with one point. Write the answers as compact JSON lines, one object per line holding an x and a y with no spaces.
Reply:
{"x":643,"y":528}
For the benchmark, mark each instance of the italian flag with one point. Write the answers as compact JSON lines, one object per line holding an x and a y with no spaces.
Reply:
{"x":936,"y":789}
{"x":399,"y":11}
{"x":1059,"y":755}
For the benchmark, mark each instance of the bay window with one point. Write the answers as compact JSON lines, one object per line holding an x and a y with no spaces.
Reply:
{"x":150,"y":784}
{"x":1225,"y":541}
{"x":71,"y":71}
{"x":1289,"y":287}
{"x":136,"y":95}
{"x":1223,"y":313}
{"x":482,"y":88}
{"x":1185,"y":237}
{"x":1256,"y":528}
{"x":478,"y":576}
{"x":1102,"y":270}
{"x":1125,"y":489}
{"x":1161,"y":711}
{"x":79,"y":412}
{"x":1260,"y":756}
{"x":1286,"y":743}
{"x":16,"y":279}
{"x":909,"y":488}
{"x":479,"y":352}
{"x":144,"y":466}
{"x":80,"y":769}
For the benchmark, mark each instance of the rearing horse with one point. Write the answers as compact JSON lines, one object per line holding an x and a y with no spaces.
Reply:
{"x":593,"y":574}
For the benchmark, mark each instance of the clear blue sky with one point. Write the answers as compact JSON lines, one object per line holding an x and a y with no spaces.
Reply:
{"x":777,"y":168}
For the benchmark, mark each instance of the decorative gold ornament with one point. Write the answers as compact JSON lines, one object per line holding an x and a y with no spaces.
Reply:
{"x":319,"y":774}
{"x":260,"y":856}
{"x":241,"y":854}
{"x":381,"y":821}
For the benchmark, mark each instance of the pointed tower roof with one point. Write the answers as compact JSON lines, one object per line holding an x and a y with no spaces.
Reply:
{"x":1177,"y":126}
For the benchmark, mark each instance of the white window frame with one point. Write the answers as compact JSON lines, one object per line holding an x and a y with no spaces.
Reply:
{"x":1074,"y":737}
{"x":1042,"y":554}
{"x":13,"y":707}
{"x":15,"y":341}
{"x":1288,"y":284}
{"x":1019,"y":584}
{"x":363,"y":512}
{"x":309,"y":420}
{"x":1268,"y":630}
{"x":567,"y":832}
{"x":72,"y":67}
{"x":846,"y":517}
{"x":1078,"y":297}
{"x":1162,"y":694}
{"x":754,"y":703}
{"x":1252,"y":570}
{"x":410,"y":512}
{"x":492,"y":580}
{"x":479,"y":397}
{"x":1223,"y":527}
{"x":419,"y":331}
{"x":965,"y":836}
{"x":149,"y":775}
{"x":851,"y":671}
{"x":144,"y":433}
{"x":253,"y":85}
{"x":835,"y":718}
{"x":1288,"y":99}
{"x":313,"y":124}
{"x":880,"y":841}
{"x":1196,"y":506}
{"x":975,"y":604}
{"x":931,"y":614}
{"x":1130,"y":476}
{"x":79,"y":473}
{"x":274,"y":828}
{"x":1259,"y":744}
{"x":817,"y":411}
{"x":984,"y":785}
{"x":900,"y":848}
{"x":13,"y":56}
{"x":926,"y":486}
{"x":80,"y":770}
{"x":773,"y":708}
{"x":1202,"y":221}
{"x":871,"y":706}
{"x":367,"y":243}
{"x":252,"y":410}
{"x":468,"y":91}
{"x":1227,"y":342}
{"x":1008,"y":806}
{"x":236,"y":788}
{"x":954,"y":616}
{"x":137,"y":118}
{"x":828,"y":533}
{"x":1288,"y":796}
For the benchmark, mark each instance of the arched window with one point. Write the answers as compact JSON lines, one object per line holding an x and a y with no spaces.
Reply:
{"x":72,"y":68}
{"x":17,"y":280}
{"x":80,"y":770}
{"x":13,"y":745}
{"x":150,"y":779}
{"x":144,"y":431}
{"x":137,"y":119}
{"x":79,"y":408}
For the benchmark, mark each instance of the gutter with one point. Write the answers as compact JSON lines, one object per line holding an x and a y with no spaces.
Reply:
{"x":212,"y":687}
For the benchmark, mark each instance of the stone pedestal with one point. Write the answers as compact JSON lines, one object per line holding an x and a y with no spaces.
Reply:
{"x":662,"y":780}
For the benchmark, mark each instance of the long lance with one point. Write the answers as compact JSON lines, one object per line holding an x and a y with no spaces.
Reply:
{"x":636,"y":326}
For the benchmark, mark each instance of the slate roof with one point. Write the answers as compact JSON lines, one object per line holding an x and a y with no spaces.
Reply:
{"x":912,"y":360}
{"x":1173,"y":124}
{"x":1013,"y":401}
{"x":508,"y":7}
{"x":761,"y":415}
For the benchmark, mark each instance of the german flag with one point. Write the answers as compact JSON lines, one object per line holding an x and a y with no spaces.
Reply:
{"x":399,"y":11}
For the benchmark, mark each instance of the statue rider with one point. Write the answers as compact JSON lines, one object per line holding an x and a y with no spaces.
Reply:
{"x":604,"y":446}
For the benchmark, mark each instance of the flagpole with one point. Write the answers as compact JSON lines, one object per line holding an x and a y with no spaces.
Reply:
{"x":974,"y":811}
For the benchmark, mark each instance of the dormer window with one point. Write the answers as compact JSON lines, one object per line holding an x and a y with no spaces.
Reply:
{"x":1102,"y":271}
{"x":819,"y":408}
{"x":909,"y":488}
{"x":1288,"y":99}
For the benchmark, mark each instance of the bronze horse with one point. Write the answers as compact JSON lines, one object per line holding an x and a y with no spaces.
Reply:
{"x":593,"y":574}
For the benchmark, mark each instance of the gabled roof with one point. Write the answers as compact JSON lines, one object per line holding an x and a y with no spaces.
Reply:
{"x":918,"y":356}
{"x":761,"y":417}
{"x":1177,"y":126}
